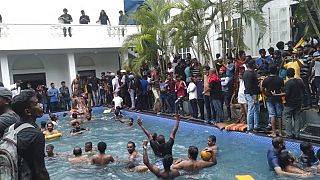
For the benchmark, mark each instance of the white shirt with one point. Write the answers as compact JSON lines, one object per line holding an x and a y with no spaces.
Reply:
{"x":317,"y":68}
{"x":15,"y":91}
{"x":115,"y":84}
{"x":192,"y":90}
{"x":117,"y":101}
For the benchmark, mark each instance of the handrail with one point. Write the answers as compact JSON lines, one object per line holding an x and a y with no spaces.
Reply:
{"x":83,"y":25}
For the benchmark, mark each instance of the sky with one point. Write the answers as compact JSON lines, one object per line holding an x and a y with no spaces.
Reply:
{"x":48,"y":11}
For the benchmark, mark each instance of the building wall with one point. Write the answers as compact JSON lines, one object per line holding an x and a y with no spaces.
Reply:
{"x":55,"y":66}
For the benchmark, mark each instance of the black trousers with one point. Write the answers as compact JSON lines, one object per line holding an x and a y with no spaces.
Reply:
{"x":194,"y":106}
{"x":65,"y":31}
{"x":201,"y":108}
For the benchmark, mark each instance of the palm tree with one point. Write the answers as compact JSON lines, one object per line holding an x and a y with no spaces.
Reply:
{"x":191,"y":27}
{"x":308,"y":13}
{"x":152,"y":16}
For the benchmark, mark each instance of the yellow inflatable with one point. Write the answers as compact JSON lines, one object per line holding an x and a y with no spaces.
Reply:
{"x":244,"y":177}
{"x":206,"y":155}
{"x":53,"y":136}
{"x":107,"y":111}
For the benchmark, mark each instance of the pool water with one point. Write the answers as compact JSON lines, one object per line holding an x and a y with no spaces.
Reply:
{"x":239,"y":154}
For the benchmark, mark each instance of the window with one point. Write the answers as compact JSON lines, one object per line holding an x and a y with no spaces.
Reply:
{"x":183,"y":52}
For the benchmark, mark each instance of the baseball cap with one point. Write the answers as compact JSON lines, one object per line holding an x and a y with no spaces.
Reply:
{"x":6,"y":93}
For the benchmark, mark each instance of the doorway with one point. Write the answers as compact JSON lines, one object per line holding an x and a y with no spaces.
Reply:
{"x":34,"y":79}
{"x":85,"y":74}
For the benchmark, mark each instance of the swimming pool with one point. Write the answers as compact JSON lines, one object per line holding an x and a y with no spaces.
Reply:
{"x":238,"y":153}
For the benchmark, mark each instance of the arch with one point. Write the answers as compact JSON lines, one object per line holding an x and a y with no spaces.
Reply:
{"x":27,"y":62}
{"x":85,"y":61}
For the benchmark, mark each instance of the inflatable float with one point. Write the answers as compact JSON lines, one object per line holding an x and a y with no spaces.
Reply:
{"x":244,"y":177}
{"x":53,"y":136}
{"x":236,"y":127}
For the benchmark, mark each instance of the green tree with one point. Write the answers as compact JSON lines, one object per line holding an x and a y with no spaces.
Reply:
{"x":153,"y":18}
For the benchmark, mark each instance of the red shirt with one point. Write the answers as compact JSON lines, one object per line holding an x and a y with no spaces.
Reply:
{"x":181,"y":88}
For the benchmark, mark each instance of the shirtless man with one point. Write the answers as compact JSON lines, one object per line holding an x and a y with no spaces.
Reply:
{"x":212,"y":146}
{"x":49,"y":150}
{"x":78,"y":157}
{"x":133,"y":165}
{"x":88,"y":149}
{"x":50,"y":129}
{"x":167,"y":172}
{"x":133,"y":154}
{"x":192,"y":164}
{"x":77,"y":129}
{"x":129,"y":122}
{"x":75,"y":86}
{"x":102,"y":158}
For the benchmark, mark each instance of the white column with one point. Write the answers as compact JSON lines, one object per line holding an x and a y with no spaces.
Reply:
{"x":72,"y":67}
{"x":5,"y":73}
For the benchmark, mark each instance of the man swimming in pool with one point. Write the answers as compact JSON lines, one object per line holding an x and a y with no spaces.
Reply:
{"x":273,"y":155}
{"x":78,"y":157}
{"x":132,"y":163}
{"x":50,"y":129}
{"x":167,"y":172}
{"x":77,"y":129}
{"x":129,"y":122}
{"x":88,"y":149}
{"x":160,"y":147}
{"x":49,"y":150}
{"x":102,"y":158}
{"x":212,"y":145}
{"x":192,"y":164}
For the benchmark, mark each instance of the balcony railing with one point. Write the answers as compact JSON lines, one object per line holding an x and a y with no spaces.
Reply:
{"x":51,"y":36}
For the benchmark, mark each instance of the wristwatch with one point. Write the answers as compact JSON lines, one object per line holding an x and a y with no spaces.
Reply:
{"x":145,"y":147}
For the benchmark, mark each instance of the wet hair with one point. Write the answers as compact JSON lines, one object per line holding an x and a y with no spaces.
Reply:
{"x":22,"y":102}
{"x":161,"y":139}
{"x":277,"y":141}
{"x":167,"y":161}
{"x":130,"y":142}
{"x":50,"y":123}
{"x":284,"y":159}
{"x":88,"y":143}
{"x":131,"y":120}
{"x":154,"y":136}
{"x":305,"y":146}
{"x":273,"y":69}
{"x":50,"y":146}
{"x":74,"y":115}
{"x":213,"y":138}
{"x":290,"y":73}
{"x":102,"y":146}
{"x":77,"y":151}
{"x":43,"y":124}
{"x":193,"y":152}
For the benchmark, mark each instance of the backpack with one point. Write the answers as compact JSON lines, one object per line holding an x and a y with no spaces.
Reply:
{"x":9,"y":154}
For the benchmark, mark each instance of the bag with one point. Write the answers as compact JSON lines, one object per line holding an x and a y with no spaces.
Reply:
{"x":9,"y":154}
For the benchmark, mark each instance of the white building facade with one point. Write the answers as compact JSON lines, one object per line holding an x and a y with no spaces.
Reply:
{"x":33,"y":48}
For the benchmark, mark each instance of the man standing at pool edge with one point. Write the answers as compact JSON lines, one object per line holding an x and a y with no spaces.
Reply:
{"x":159,"y":146}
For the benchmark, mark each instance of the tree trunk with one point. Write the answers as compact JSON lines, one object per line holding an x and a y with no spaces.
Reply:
{"x":223,"y":32}
{"x":311,"y":18}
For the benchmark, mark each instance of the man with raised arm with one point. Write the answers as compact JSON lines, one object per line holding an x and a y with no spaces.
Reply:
{"x":159,"y":146}
{"x":192,"y":164}
{"x":166,"y":172}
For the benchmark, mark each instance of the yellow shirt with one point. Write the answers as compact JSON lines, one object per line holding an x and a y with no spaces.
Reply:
{"x":295,"y":66}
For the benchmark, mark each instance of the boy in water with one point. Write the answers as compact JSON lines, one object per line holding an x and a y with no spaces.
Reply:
{"x":102,"y":158}
{"x":78,"y":157}
{"x":212,"y":146}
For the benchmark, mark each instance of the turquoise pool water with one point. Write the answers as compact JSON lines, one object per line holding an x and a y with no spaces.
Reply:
{"x":238,"y":153}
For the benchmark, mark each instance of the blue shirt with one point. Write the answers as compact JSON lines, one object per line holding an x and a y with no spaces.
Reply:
{"x":273,"y":159}
{"x":230,"y":70}
{"x":263,"y":67}
{"x":55,"y":97}
{"x":144,"y":84}
{"x":187,"y":72}
{"x":199,"y":85}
